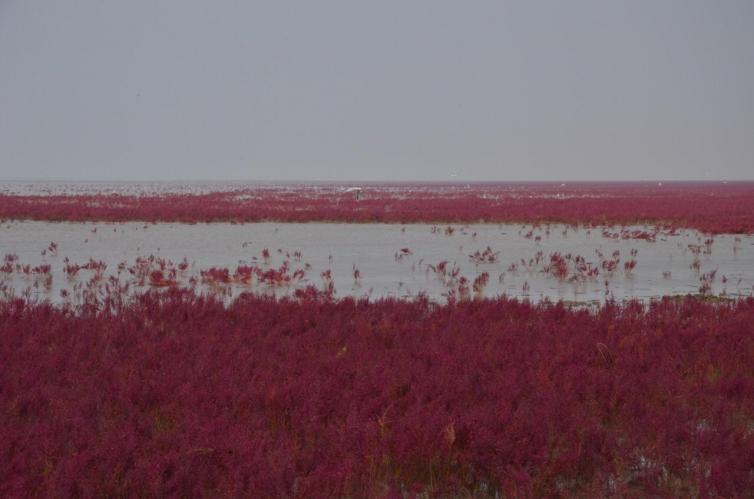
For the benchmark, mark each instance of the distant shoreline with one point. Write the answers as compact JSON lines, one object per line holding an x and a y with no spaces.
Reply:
{"x":714,"y":208}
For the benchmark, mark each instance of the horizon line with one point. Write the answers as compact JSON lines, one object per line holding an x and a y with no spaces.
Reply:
{"x":355,"y":181}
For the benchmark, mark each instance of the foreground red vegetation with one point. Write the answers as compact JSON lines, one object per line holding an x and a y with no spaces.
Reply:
{"x":708,"y":207}
{"x":173,"y":393}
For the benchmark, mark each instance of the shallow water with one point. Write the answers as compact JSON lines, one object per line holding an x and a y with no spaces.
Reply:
{"x":372,"y":248}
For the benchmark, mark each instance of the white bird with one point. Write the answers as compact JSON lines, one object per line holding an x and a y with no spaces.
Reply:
{"x":356,"y":192}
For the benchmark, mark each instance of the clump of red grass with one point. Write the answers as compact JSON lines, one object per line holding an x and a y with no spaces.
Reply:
{"x":174,"y":393}
{"x":485,"y":256}
{"x":707,"y":207}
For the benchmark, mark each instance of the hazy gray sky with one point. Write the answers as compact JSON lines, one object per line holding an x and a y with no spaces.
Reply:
{"x":381,"y":90}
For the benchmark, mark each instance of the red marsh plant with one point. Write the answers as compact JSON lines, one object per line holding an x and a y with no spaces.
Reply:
{"x":485,"y":256}
{"x":712,"y":208}
{"x":354,"y":398}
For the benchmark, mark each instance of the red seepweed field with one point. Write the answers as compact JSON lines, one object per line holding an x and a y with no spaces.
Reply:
{"x":173,"y":393}
{"x":144,"y":383}
{"x":708,"y":207}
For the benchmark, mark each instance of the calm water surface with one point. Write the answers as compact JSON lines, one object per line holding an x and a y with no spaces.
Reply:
{"x":663,"y":267}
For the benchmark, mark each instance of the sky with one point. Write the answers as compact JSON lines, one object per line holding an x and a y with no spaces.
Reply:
{"x":386,"y":91}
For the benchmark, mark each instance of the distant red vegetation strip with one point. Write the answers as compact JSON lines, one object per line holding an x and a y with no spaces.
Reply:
{"x":708,"y":207}
{"x":177,"y":394}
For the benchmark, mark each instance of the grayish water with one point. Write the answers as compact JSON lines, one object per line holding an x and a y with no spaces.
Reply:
{"x":371,"y":248}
